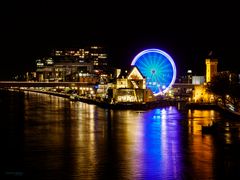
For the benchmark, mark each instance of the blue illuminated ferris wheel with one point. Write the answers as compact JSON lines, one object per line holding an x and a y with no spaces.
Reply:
{"x":158,"y":68}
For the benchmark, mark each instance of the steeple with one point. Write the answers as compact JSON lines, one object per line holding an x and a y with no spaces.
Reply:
{"x":211,"y":66}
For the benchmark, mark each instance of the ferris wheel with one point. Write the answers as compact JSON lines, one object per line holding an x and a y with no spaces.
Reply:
{"x":158,"y":68}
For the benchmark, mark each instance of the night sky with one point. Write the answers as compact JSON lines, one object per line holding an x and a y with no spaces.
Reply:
{"x":187,"y":32}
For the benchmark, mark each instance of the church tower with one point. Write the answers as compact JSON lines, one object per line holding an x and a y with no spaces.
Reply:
{"x":211,"y":68}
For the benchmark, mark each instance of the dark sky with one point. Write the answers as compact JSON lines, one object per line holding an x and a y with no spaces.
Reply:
{"x":188,"y":32}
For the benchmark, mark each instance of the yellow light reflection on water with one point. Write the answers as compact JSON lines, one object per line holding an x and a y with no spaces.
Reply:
{"x":89,"y":141}
{"x":201,"y":148}
{"x":199,"y":118}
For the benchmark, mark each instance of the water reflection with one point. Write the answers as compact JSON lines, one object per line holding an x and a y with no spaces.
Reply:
{"x":74,"y":140}
{"x":207,"y":152}
{"x":200,"y":149}
{"x":197,"y":118}
{"x":161,"y":144}
{"x":93,"y":143}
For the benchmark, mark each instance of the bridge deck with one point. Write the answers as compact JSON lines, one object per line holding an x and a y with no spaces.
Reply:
{"x":65,"y":84}
{"x":44,"y":84}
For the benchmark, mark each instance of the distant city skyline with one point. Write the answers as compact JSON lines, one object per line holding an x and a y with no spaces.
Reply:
{"x":187,"y":33}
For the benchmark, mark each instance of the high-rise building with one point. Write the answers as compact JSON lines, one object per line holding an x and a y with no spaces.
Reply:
{"x":98,"y":57}
{"x":70,"y":54}
{"x":72,"y":64}
{"x":95,"y":55}
{"x":211,"y":68}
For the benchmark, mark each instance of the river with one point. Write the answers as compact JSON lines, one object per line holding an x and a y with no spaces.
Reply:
{"x":48,"y":137}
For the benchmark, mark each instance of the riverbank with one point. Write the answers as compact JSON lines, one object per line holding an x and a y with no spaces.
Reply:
{"x":220,"y":108}
{"x":229,"y":113}
{"x":129,"y":105}
{"x":105,"y":104}
{"x":139,"y":106}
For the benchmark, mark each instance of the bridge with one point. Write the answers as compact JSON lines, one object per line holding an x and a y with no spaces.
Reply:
{"x":18,"y":84}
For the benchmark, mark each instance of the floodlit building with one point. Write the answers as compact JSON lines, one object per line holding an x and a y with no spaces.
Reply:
{"x":200,"y":93}
{"x":211,"y":68}
{"x":130,"y":87}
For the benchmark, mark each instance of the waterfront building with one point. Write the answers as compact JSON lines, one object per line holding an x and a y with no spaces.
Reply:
{"x":129,"y":87}
{"x":211,"y":68}
{"x":45,"y":69}
{"x":72,"y":71}
{"x":200,"y":93}
{"x":73,"y":64}
{"x":95,"y":55}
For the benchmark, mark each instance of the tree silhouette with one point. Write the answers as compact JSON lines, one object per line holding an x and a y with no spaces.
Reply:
{"x":219,"y":85}
{"x":223,"y":84}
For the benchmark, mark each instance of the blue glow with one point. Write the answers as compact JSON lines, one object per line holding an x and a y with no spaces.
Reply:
{"x":158,"y":68}
{"x":161,"y":147}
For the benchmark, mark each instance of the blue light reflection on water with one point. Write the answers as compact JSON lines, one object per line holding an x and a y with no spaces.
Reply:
{"x":60,"y":139}
{"x":161,"y":158}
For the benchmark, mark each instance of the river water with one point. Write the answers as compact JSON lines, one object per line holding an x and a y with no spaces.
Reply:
{"x":48,"y":137}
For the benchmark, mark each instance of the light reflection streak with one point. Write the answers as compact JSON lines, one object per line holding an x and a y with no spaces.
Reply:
{"x":92,"y":143}
{"x":201,"y":148}
{"x":197,"y":118}
{"x":161,"y":158}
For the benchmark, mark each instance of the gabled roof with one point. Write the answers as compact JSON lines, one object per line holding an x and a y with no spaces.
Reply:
{"x":135,"y":74}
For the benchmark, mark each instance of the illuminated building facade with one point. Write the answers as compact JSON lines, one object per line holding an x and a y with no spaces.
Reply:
{"x":211,"y":68}
{"x":45,"y":69}
{"x":201,"y":95}
{"x":74,"y":64}
{"x":94,"y":55}
{"x":98,"y":57}
{"x":131,"y":87}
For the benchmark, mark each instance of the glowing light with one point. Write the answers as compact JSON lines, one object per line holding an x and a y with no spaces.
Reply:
{"x":158,"y":68}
